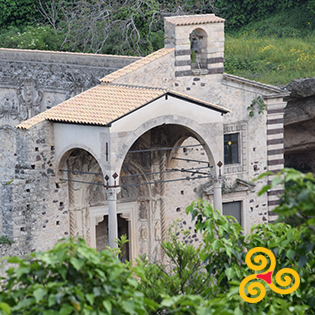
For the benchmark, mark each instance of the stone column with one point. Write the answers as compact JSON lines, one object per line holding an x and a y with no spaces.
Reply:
{"x":217,"y":194}
{"x":112,"y":215}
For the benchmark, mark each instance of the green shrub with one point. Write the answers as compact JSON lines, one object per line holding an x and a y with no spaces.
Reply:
{"x":70,"y":279}
{"x":32,"y":37}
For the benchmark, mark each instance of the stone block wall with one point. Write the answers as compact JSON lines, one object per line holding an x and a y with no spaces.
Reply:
{"x":32,"y":82}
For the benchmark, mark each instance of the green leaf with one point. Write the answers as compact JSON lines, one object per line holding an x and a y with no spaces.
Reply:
{"x":77,"y":263}
{"x":167,"y":302}
{"x":303,"y":195}
{"x":132,"y":282}
{"x":291,"y":253}
{"x":108,"y":306}
{"x":276,"y":181}
{"x":39,"y":294}
{"x":22,"y":304}
{"x":228,"y":250}
{"x":302,"y":261}
{"x":14,"y":260}
{"x":264,"y":189}
{"x":66,"y":309}
{"x":22,"y":270}
{"x":238,"y":311}
{"x":5,"y":307}
{"x":216,"y":245}
{"x":51,"y":300}
{"x":90,"y":298}
{"x":152,"y":304}
{"x":230,"y":273}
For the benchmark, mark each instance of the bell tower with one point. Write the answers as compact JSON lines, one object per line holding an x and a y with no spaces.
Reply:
{"x":199,"y":43}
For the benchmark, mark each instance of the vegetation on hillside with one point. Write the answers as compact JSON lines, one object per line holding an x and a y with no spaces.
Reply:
{"x":269,"y":41}
{"x":274,"y":50}
{"x":75,"y":279}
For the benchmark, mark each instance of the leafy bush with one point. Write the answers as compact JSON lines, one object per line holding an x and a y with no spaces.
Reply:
{"x":75,"y":279}
{"x":223,"y":255}
{"x":183,"y":274}
{"x":32,"y":37}
{"x":70,"y":279}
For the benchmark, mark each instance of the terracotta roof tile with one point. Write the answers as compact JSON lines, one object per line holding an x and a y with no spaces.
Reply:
{"x":136,"y":65}
{"x":194,"y":19}
{"x":97,"y":106}
{"x":105,"y":103}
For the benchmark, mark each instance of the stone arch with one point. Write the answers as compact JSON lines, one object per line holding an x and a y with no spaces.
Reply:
{"x":65,"y":152}
{"x":84,"y":189}
{"x":198,"y":46}
{"x":131,"y":167}
{"x":197,"y":130}
{"x":155,"y":209}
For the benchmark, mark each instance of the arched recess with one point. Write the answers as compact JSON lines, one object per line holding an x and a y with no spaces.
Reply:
{"x":195,"y":130}
{"x":83,"y":185}
{"x":146,"y":167}
{"x":85,"y":182}
{"x":198,"y":46}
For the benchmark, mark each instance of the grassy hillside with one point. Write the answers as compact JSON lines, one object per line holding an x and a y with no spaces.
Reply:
{"x":275,"y":50}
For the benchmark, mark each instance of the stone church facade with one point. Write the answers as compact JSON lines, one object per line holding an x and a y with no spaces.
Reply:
{"x":128,"y":155}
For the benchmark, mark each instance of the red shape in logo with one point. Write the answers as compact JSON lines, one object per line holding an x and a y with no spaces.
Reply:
{"x":265,"y":276}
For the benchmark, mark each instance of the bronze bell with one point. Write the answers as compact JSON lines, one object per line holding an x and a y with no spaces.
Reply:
{"x":194,"y":45}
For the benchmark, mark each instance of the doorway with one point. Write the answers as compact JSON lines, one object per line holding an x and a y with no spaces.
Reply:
{"x":102,"y":235}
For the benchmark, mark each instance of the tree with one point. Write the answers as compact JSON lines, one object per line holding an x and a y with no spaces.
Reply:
{"x":116,"y":26}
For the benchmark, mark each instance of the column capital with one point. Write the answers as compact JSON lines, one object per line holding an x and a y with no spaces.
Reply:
{"x":112,"y":193}
{"x":217,"y":181}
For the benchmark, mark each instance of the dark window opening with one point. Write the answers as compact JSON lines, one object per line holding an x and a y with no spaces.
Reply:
{"x":233,"y":209}
{"x":231,"y":148}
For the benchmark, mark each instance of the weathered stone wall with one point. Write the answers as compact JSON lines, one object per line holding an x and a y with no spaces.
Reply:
{"x":235,"y":94}
{"x":299,"y":136}
{"x":32,"y":82}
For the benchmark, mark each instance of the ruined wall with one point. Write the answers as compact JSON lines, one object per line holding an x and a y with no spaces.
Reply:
{"x":299,"y":136}
{"x":32,"y":82}
{"x":34,"y":200}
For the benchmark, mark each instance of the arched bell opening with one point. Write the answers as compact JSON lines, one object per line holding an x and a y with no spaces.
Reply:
{"x":198,"y":46}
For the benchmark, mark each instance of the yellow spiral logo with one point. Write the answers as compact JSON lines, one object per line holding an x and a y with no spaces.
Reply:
{"x":257,"y":289}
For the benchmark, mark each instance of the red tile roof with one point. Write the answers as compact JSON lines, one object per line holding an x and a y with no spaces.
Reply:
{"x":194,"y":19}
{"x":136,"y":65}
{"x":106,"y":103}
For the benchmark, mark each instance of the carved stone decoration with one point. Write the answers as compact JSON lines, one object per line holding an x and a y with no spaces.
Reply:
{"x":52,"y":99}
{"x":126,"y":216}
{"x":143,"y":211}
{"x":30,"y":98}
{"x":143,"y":232}
{"x":157,"y":231}
{"x":99,"y":219}
{"x":9,"y":107}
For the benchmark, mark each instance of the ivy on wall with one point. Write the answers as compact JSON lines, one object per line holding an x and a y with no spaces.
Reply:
{"x":258,"y":103}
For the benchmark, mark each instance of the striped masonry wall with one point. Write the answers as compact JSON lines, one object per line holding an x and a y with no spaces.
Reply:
{"x":183,"y":64}
{"x":275,"y":148}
